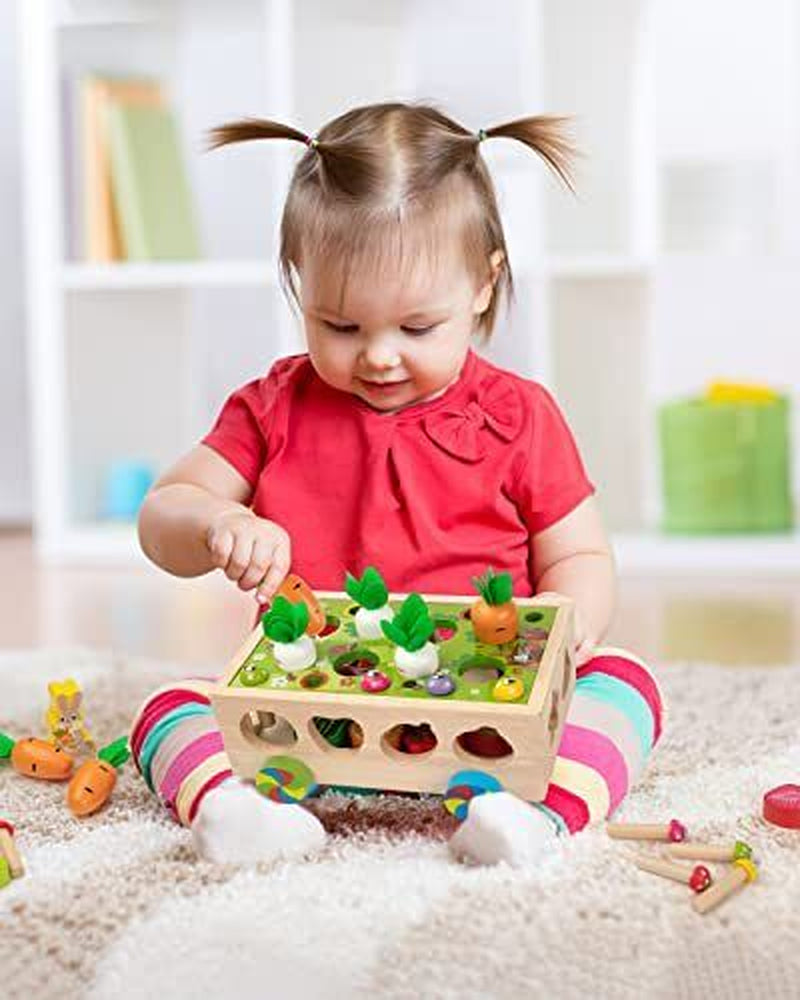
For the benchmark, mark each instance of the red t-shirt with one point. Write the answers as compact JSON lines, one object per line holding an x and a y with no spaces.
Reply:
{"x":431,"y":495}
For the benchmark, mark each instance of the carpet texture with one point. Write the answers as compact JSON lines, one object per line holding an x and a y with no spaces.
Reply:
{"x":118,"y":906}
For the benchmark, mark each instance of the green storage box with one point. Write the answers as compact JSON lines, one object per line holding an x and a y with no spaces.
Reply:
{"x":725,"y":465}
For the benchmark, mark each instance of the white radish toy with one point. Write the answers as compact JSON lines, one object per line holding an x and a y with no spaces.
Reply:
{"x":371,"y":593}
{"x":285,"y":623}
{"x":415,"y":656}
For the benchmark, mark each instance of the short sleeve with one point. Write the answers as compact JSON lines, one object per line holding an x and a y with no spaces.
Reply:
{"x":243,"y":429}
{"x":238,"y":434}
{"x":550,"y":476}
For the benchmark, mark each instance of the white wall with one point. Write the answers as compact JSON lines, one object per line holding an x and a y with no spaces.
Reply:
{"x":15,"y":499}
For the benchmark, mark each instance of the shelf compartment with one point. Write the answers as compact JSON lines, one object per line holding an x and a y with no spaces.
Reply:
{"x":126,"y":375}
{"x":592,"y":322}
{"x":602,"y":218}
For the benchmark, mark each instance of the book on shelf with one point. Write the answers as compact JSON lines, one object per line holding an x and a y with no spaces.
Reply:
{"x":137,"y":201}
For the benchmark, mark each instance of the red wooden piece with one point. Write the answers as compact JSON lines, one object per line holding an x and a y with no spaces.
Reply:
{"x":782,"y":806}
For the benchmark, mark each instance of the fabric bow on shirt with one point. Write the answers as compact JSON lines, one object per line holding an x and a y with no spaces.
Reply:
{"x":463,"y":433}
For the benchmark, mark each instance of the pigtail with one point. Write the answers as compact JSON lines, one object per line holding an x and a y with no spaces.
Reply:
{"x":545,"y":135}
{"x":342,"y":167}
{"x":253,"y":128}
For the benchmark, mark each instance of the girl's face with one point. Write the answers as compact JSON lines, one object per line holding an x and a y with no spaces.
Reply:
{"x":394,"y":340}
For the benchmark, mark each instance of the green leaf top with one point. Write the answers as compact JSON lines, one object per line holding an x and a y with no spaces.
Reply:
{"x":494,"y":588}
{"x":370,"y":591}
{"x":115,"y":753}
{"x":412,"y":626}
{"x":285,"y":622}
{"x":6,"y":746}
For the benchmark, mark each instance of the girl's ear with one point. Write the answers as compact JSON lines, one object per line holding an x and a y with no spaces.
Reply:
{"x":484,"y":296}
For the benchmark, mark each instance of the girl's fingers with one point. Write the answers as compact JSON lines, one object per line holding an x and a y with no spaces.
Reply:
{"x":240,"y":556}
{"x":279,"y":567}
{"x":584,"y":652}
{"x":259,"y":561}
{"x":220,"y":545}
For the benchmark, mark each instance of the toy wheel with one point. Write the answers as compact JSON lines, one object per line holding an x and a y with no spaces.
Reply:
{"x":465,"y":786}
{"x":286,"y":779}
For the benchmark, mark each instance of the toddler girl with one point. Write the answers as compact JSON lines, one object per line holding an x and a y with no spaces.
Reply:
{"x":393,"y":443}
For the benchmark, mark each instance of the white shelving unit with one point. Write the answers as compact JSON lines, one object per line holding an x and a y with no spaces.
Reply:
{"x":677,"y":263}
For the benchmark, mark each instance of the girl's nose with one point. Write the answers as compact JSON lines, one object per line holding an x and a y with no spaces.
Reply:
{"x":381,"y":357}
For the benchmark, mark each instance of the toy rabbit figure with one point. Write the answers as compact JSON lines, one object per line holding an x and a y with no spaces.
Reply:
{"x":64,"y":717}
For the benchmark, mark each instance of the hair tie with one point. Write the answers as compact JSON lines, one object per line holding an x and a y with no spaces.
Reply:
{"x":312,"y":141}
{"x":482,"y":135}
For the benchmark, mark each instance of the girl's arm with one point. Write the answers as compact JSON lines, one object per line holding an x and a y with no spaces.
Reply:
{"x":197,"y":518}
{"x":573,"y":557}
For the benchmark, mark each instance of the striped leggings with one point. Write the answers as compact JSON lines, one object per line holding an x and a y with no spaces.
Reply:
{"x":614,"y":721}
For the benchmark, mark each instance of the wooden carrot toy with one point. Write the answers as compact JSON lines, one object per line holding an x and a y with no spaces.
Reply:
{"x":711,"y":852}
{"x":494,"y":616}
{"x":674,"y":831}
{"x":92,"y":784}
{"x":8,"y":850}
{"x":295,"y":589}
{"x":36,"y":758}
{"x":698,"y":878}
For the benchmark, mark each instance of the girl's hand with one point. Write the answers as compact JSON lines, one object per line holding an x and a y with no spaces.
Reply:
{"x":252,"y":551}
{"x":583,"y":645}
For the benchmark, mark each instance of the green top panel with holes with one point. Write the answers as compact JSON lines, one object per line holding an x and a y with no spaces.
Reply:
{"x":467,"y":669}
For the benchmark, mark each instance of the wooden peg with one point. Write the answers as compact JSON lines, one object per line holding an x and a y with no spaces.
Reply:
{"x":673,"y":831}
{"x":711,"y":852}
{"x":697,"y":878}
{"x":742,"y":871}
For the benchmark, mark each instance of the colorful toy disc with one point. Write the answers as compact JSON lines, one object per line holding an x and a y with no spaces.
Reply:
{"x":286,"y":779}
{"x":465,"y":786}
{"x":782,"y":806}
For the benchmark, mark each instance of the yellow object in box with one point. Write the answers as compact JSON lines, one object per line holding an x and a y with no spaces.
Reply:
{"x":739,"y":392}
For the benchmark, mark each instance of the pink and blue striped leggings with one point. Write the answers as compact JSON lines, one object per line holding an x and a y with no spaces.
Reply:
{"x":614,"y":721}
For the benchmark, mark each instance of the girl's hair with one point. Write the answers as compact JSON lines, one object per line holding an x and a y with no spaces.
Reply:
{"x":389,"y":180}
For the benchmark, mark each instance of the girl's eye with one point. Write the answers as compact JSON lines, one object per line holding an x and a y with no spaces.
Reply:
{"x":348,"y":328}
{"x":418,"y":331}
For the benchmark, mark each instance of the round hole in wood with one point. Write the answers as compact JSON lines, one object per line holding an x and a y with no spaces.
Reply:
{"x":406,"y":740}
{"x":482,"y":744}
{"x":444,"y":629}
{"x":336,"y":734}
{"x":481,"y":669}
{"x":332,"y":624}
{"x":552,"y":722}
{"x":261,"y":728}
{"x":355,"y":663}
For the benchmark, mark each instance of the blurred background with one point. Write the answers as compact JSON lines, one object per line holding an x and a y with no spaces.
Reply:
{"x":139,"y":284}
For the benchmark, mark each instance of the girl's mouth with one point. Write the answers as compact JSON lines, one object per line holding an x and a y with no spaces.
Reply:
{"x":384,"y":387}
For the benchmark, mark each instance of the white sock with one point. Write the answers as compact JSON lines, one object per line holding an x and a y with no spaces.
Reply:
{"x":501,"y":827}
{"x":236,"y":824}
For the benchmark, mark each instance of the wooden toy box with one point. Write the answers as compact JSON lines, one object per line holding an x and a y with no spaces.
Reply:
{"x":274,"y":711}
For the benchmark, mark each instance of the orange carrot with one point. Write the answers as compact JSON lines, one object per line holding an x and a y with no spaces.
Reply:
{"x":494,"y":616}
{"x":295,"y":589}
{"x":36,"y":758}
{"x":92,"y":784}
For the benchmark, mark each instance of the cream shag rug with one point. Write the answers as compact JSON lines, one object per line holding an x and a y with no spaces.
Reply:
{"x":118,"y":906}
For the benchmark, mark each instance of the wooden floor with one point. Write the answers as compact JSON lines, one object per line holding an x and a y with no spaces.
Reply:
{"x":201,"y":622}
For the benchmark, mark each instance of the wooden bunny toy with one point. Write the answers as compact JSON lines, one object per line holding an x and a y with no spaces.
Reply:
{"x":64,"y":717}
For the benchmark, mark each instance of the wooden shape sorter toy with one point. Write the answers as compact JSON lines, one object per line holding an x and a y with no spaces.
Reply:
{"x":397,"y":692}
